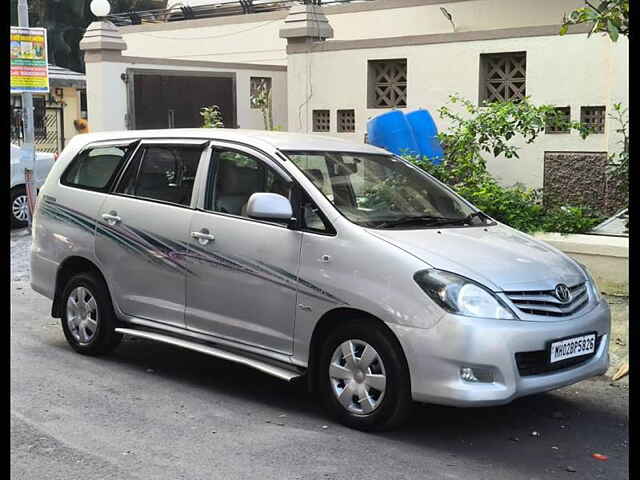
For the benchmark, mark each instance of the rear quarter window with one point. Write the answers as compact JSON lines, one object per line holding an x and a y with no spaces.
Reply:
{"x":95,"y":168}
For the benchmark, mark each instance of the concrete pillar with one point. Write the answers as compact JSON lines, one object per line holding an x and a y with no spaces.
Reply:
{"x":304,"y":26}
{"x":103,"y":44}
{"x":306,"y":23}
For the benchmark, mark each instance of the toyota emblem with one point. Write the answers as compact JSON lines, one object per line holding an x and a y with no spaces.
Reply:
{"x":563,"y":293}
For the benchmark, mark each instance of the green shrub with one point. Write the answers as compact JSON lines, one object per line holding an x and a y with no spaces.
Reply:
{"x":489,"y":130}
{"x":211,"y":117}
{"x":517,"y":206}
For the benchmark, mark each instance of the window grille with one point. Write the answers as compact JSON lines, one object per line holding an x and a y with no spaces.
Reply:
{"x":594,"y":118}
{"x":257,"y":85}
{"x":388,"y":83}
{"x":503,"y":77}
{"x":559,"y":124}
{"x":321,"y":120}
{"x":346,"y":120}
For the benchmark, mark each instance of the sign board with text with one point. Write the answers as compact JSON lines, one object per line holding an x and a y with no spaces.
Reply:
{"x":28,"y":54}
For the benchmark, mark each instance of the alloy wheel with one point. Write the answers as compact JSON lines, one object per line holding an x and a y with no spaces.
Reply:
{"x":20,"y":208}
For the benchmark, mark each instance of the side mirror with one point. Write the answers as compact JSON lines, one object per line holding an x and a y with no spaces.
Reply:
{"x":269,"y":206}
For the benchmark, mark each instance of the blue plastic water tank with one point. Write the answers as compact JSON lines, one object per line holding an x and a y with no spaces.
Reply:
{"x":425,"y":132}
{"x":392,"y":131}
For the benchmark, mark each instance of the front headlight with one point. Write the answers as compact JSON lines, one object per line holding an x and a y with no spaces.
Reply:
{"x":594,"y":286}
{"x":460,"y":295}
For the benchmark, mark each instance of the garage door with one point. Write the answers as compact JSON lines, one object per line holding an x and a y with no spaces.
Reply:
{"x":174,"y":99}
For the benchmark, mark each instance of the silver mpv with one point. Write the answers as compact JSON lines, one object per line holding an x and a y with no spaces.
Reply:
{"x":309,"y":256}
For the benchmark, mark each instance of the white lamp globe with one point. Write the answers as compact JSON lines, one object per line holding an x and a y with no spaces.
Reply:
{"x":100,"y":8}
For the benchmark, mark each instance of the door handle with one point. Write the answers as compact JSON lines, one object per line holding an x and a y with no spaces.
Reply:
{"x":203,"y":236}
{"x":111,"y":218}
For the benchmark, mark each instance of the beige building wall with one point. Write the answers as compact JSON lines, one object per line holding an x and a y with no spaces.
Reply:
{"x":107,"y":93}
{"x":566,"y":71}
{"x":255,"y":38}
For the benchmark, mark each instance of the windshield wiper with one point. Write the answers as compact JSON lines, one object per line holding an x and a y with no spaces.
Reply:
{"x":427,"y":219}
{"x":433,"y":220}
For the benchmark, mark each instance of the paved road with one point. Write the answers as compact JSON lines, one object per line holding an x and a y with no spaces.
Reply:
{"x":151,"y":411}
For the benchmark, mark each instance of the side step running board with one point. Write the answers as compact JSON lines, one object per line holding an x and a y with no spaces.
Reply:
{"x":265,"y":367}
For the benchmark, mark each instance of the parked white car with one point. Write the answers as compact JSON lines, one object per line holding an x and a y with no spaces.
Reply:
{"x":18,"y":199}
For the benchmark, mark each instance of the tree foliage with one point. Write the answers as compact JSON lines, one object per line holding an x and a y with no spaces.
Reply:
{"x":609,"y":17}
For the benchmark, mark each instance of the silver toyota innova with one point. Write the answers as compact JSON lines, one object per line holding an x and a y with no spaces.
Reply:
{"x":309,"y":256}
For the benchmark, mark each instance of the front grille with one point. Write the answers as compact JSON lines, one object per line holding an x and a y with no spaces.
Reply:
{"x":545,"y":303}
{"x":536,"y":362}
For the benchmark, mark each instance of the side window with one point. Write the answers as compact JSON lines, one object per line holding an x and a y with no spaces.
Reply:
{"x":312,"y":217}
{"x":238,"y":176}
{"x":95,"y":168}
{"x":165,"y":173}
{"x":315,"y":167}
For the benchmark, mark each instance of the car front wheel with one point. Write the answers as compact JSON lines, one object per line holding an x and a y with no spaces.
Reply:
{"x":363,"y":378}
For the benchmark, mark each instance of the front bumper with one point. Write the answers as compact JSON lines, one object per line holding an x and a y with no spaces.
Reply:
{"x":436,"y":356}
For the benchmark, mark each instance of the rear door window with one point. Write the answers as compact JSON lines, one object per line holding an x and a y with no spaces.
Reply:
{"x":95,"y":168}
{"x":162,"y":172}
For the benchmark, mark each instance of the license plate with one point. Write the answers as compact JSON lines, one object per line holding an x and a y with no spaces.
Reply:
{"x":572,"y":347}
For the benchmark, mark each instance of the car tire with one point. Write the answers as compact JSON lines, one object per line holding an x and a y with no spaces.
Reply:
{"x":375,"y":405}
{"x":88,"y":318}
{"x":17,"y":203}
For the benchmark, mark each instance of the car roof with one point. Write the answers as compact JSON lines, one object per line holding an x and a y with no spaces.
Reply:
{"x":260,"y":138}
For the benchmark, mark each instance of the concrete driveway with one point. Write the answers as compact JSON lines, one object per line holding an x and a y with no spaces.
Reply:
{"x":151,"y":411}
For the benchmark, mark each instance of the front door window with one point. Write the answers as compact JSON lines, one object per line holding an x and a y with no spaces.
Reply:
{"x":239,"y":176}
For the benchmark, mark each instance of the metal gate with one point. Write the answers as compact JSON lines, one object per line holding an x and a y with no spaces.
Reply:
{"x":47,"y":123}
{"x":174,"y":99}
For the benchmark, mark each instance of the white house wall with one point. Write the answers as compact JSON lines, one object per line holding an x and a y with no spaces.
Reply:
{"x":252,"y":42}
{"x":255,"y":38}
{"x":566,"y":71}
{"x":107,"y":93}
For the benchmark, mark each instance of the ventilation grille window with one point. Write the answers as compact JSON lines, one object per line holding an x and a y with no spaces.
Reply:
{"x":388,"y":83}
{"x":503,"y":77}
{"x":260,"y":88}
{"x":321,"y":120}
{"x":594,"y":118}
{"x":560,"y":124}
{"x":346,"y":121}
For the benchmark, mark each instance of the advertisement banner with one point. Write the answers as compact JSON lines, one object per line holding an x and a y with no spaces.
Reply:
{"x":28,"y":54}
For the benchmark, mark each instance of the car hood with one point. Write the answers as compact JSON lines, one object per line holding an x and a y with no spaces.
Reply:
{"x":499,"y":257}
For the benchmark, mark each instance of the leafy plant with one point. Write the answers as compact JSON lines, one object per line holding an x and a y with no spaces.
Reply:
{"x":263,"y":100}
{"x":490,"y":129}
{"x":610,"y":17}
{"x":619,"y":162}
{"x":211,"y":117}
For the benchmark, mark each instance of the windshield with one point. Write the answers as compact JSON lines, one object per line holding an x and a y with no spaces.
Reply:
{"x":382,"y":191}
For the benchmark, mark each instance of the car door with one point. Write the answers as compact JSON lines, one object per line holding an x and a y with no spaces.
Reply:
{"x":244,"y":280}
{"x":143,"y":230}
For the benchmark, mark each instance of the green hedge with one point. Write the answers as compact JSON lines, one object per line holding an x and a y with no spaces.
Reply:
{"x":516,"y":206}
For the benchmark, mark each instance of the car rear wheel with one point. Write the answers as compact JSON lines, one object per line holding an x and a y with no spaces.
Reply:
{"x":362,"y":377}
{"x":18,"y":207}
{"x":88,"y":319}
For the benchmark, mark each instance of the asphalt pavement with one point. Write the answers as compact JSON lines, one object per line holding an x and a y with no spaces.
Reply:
{"x":153,"y":411}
